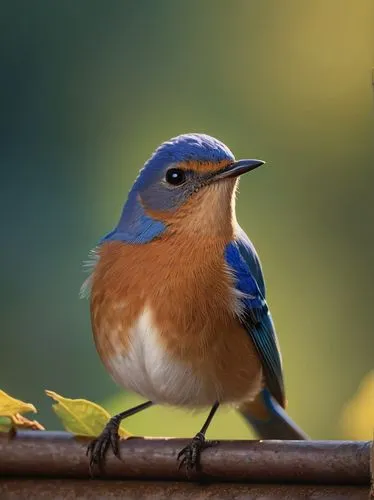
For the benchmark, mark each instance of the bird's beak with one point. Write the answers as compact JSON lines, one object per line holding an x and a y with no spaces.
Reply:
{"x":237,"y":168}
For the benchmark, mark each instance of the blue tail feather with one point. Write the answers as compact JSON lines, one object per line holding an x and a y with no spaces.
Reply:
{"x":271,"y":422}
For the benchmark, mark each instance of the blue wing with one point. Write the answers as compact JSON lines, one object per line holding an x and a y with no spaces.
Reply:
{"x":256,"y":319}
{"x":250,"y":256}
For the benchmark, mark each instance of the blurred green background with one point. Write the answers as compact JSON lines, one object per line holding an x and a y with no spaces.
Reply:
{"x":89,"y":88}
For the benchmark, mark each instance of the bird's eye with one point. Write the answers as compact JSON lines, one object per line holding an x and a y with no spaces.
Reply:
{"x":175,"y":176}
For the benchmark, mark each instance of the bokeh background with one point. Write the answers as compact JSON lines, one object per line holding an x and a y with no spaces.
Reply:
{"x":89,"y":88}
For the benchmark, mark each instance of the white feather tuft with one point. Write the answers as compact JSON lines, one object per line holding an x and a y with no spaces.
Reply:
{"x":89,"y":266}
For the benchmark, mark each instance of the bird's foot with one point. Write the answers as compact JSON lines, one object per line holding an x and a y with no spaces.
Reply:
{"x":98,"y":448}
{"x":189,"y":457}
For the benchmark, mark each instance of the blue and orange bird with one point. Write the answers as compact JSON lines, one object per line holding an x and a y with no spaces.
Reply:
{"x":177,"y":295}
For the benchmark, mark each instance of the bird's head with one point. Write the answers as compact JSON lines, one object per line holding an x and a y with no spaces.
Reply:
{"x":190,"y":178}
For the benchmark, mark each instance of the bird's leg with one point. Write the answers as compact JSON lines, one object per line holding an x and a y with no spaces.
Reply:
{"x":97,"y":449}
{"x":190,"y":455}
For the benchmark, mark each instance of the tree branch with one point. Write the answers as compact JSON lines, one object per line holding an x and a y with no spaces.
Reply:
{"x":60,"y":455}
{"x":36,"y":489}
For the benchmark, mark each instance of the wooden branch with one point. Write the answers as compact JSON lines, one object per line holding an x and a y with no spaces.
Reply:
{"x":36,"y":489}
{"x":31,"y":454}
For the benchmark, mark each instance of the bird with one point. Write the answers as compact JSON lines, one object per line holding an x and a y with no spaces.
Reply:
{"x":177,"y":299}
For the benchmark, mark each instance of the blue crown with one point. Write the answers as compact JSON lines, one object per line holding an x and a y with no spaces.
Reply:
{"x":192,"y":147}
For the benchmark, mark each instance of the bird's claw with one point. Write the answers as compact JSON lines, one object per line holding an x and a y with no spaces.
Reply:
{"x":98,"y":448}
{"x":189,"y":456}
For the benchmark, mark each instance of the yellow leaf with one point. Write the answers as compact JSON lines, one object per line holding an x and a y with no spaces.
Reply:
{"x":82,"y":417}
{"x":10,"y":406}
{"x":358,"y":415}
{"x":21,"y":422}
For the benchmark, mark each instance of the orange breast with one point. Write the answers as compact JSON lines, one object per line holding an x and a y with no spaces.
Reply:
{"x":191,"y":295}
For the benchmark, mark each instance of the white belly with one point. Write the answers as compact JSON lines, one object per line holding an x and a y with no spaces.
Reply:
{"x":148,"y":370}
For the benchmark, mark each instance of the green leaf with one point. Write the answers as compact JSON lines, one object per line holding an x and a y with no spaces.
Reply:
{"x":82,"y":417}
